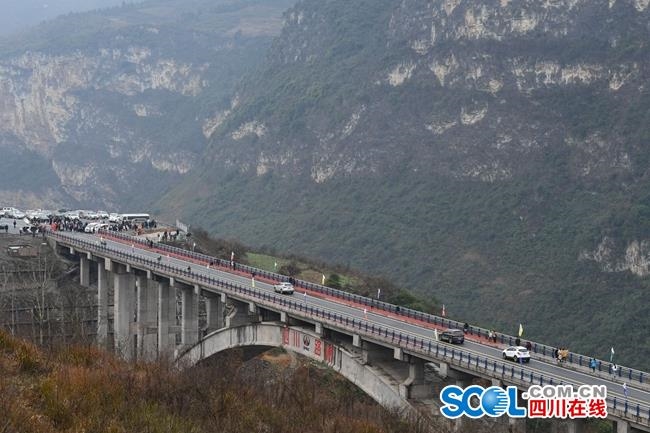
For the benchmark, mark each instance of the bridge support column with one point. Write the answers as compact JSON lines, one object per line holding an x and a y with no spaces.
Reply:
{"x":214,"y":309}
{"x":102,"y":305}
{"x":443,"y":370}
{"x":146,"y":316}
{"x":124,"y":305}
{"x":190,"y":315}
{"x":622,"y":426}
{"x":240,"y":315}
{"x":84,"y":271}
{"x":414,"y":386}
{"x":166,"y":316}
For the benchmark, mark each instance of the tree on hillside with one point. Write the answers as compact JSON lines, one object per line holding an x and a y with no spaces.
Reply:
{"x":291,"y":269}
{"x":333,"y":281}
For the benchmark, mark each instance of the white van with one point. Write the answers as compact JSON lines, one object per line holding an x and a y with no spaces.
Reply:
{"x":11,"y":212}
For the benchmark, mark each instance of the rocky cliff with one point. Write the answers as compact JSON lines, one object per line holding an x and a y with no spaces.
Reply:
{"x":115,"y":113}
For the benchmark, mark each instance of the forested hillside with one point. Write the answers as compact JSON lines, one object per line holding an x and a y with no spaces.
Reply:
{"x":493,"y":154}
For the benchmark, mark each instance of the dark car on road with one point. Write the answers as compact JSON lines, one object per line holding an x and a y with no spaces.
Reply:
{"x":456,"y":336}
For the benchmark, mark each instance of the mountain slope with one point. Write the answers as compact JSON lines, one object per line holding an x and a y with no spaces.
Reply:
{"x":491,"y":153}
{"x":119,"y":107}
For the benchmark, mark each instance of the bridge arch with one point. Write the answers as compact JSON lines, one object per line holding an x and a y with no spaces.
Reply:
{"x":380,"y":387}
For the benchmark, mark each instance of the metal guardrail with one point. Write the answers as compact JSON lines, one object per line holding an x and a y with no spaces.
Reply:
{"x":426,"y":347}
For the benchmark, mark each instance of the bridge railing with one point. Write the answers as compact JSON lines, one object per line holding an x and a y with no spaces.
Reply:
{"x":428,"y":348}
{"x":574,"y":359}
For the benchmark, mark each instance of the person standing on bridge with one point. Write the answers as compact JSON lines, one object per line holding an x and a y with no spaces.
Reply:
{"x":592,"y":365}
{"x":625,"y":391}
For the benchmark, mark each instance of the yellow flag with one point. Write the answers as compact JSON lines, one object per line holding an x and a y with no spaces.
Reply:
{"x":323,"y":281}
{"x":521,"y":330}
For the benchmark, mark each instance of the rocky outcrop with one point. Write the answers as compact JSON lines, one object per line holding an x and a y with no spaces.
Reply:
{"x":127,"y":107}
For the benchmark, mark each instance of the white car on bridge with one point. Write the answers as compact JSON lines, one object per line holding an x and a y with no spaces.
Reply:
{"x":284,"y":288}
{"x":516,"y":353}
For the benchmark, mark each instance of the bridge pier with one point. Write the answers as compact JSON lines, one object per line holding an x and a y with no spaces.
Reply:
{"x":189,"y":315}
{"x":124,"y":294}
{"x":102,"y":305}
{"x":240,"y":315}
{"x":146,"y":318}
{"x":414,"y":387}
{"x":84,"y":270}
{"x":166,"y":315}
{"x":214,"y":306}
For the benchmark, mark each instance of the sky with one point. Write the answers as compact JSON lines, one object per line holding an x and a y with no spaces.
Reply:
{"x":16,"y":15}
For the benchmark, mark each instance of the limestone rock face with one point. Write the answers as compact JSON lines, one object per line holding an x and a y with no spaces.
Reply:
{"x":125,"y":108}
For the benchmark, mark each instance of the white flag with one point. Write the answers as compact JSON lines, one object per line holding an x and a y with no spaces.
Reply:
{"x":323,"y":280}
{"x":232,"y":256}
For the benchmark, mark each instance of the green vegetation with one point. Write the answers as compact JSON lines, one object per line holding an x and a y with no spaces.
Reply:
{"x":570,"y":165}
{"x":305,"y":269}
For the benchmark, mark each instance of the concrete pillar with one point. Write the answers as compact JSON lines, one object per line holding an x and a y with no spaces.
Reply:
{"x":214,"y":311}
{"x":166,"y":317}
{"x":443,"y":370}
{"x":102,"y":305}
{"x":124,"y":306}
{"x":622,"y":426}
{"x":84,"y":271}
{"x":146,"y":317}
{"x":414,"y":386}
{"x":239,"y":315}
{"x":356,"y":340}
{"x":190,"y":315}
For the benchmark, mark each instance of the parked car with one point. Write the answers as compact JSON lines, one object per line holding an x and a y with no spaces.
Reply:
{"x":11,"y":212}
{"x":516,"y":353}
{"x":91,"y":227}
{"x":455,"y":336}
{"x":284,"y":288}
